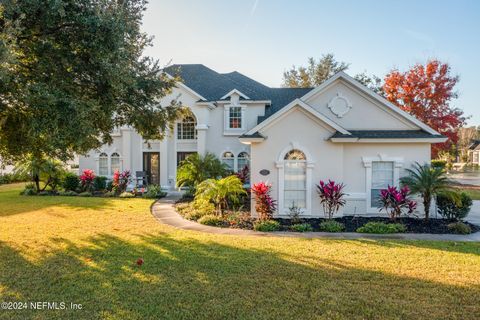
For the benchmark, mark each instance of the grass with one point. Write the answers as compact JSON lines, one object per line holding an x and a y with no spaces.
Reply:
{"x":83,"y":250}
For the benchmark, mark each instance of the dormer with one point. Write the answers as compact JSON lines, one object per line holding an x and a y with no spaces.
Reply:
{"x":234,"y":113}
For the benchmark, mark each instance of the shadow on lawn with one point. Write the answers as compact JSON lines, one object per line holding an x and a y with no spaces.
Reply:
{"x":192,"y":279}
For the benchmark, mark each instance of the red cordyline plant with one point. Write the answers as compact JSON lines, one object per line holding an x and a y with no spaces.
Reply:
{"x":121,"y":180}
{"x":244,"y":174}
{"x":395,"y":201}
{"x":86,"y":179}
{"x":264,"y":204}
{"x":331,"y":197}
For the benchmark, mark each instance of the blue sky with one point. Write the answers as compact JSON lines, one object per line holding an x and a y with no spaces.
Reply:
{"x":262,"y":38}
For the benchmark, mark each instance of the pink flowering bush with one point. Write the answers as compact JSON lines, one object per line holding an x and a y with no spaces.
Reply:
{"x":86,"y":179}
{"x":331,"y":197}
{"x":264,"y":204}
{"x":395,"y":201}
{"x":121,"y":180}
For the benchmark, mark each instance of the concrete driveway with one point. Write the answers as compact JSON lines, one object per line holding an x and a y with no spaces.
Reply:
{"x":474,"y":215}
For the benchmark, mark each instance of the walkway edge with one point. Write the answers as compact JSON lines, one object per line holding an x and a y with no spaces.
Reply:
{"x":165,"y":213}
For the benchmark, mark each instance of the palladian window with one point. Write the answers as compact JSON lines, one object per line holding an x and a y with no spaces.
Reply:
{"x":229,"y":159}
{"x":103,"y":164}
{"x":115,"y":162}
{"x":295,"y":189}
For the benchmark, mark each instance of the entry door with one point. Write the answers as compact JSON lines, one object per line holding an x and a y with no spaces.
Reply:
{"x":151,"y":165}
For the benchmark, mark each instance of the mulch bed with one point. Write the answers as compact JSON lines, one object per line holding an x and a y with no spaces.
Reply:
{"x":413,"y":225}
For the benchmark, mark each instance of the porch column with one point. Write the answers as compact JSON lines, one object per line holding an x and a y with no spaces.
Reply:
{"x":126,"y":149}
{"x":201,"y":138}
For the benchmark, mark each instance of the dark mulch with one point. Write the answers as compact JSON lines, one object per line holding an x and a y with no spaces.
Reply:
{"x":414,"y":225}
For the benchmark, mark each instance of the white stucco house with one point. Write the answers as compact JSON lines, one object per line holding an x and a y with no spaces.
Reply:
{"x":291,"y":138}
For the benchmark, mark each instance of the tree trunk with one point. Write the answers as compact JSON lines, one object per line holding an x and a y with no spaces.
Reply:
{"x":427,"y":199}
{"x":36,"y":178}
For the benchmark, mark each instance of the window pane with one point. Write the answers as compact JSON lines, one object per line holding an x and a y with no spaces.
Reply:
{"x":295,"y":197}
{"x":103,"y":165}
{"x":229,"y":159}
{"x":382,"y":177}
{"x":243,"y":160}
{"x":295,"y":184}
{"x":115,"y":162}
{"x":186,"y":129}
{"x":235,"y":118}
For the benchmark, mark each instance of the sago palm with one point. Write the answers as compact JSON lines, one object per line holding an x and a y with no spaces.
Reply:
{"x":220,"y":191}
{"x":427,"y":181}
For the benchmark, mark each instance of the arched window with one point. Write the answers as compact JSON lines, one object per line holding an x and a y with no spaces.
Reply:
{"x":115,"y":162}
{"x":295,"y":178}
{"x":186,"y":129}
{"x":229,"y":159}
{"x":103,"y":164}
{"x":243,"y":160}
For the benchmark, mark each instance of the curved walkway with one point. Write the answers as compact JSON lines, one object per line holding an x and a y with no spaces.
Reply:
{"x":164,"y":212}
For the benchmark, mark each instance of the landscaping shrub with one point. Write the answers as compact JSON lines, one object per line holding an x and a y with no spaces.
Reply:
{"x":29,"y":190}
{"x":331,"y":226}
{"x":194,"y":214}
{"x":121,"y":181}
{"x":46,"y":193}
{"x":126,"y":195}
{"x":86,"y":180}
{"x":266,"y":225}
{"x":437,"y":163}
{"x":183,"y":207}
{"x":459,"y":228}
{"x":99,"y":183}
{"x":85,"y":194}
{"x":206,"y":207}
{"x":301,"y":227}
{"x":264,"y":203}
{"x":395,"y":201}
{"x":13,"y":177}
{"x":381,"y":227}
{"x":239,"y":219}
{"x":154,"y":192}
{"x":211,"y":220}
{"x":331,"y":197}
{"x":294,"y":212}
{"x":195,"y":169}
{"x":109,"y":194}
{"x":454,"y":206}
{"x":68,"y":193}
{"x":71,"y":182}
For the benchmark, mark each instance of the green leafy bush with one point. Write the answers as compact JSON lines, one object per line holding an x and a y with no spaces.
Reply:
{"x":29,"y":190}
{"x":437,"y":163}
{"x":68,"y":193}
{"x":301,"y":227}
{"x":381,"y":228}
{"x":196,"y":169}
{"x":154,"y":192}
{"x":85,"y":194}
{"x":126,"y":195}
{"x":13,"y":177}
{"x":266,"y":225}
{"x":454,"y":206}
{"x":220,"y":192}
{"x":99,"y":183}
{"x":459,"y":228}
{"x":194,"y":214}
{"x":211,"y":220}
{"x":109,"y":194}
{"x":71,"y":182}
{"x":331,"y":226}
{"x":45,"y":193}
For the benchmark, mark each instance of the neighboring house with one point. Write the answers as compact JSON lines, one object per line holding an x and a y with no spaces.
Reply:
{"x":291,"y":138}
{"x":473,"y":152}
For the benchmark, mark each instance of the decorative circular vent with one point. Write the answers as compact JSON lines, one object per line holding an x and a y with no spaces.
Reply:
{"x":339,"y":105}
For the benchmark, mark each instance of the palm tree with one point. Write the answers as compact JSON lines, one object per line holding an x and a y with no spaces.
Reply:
{"x":220,"y":191}
{"x":427,"y":181}
{"x":40,"y":169}
{"x":195,"y":169}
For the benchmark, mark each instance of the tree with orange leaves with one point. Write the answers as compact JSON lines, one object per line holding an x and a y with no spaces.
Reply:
{"x":426,"y":91}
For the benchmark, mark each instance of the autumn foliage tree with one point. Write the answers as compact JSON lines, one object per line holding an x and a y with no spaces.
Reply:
{"x":426,"y":91}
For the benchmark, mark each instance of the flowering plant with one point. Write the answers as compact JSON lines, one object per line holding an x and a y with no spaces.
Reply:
{"x":121,"y":180}
{"x":86,"y":179}
{"x":264,"y":204}
{"x":244,"y":174}
{"x":331,"y":197}
{"x":394,"y":201}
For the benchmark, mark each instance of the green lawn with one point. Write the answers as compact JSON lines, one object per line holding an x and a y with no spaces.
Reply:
{"x":83,"y":250}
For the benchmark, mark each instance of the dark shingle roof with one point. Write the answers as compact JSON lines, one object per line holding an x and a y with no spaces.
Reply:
{"x":213,"y":85}
{"x":387,"y":134}
{"x":475,"y":145}
{"x":253,"y":135}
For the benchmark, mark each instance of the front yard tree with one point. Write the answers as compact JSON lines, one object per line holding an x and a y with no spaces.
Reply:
{"x":73,"y":70}
{"x":426,"y":92}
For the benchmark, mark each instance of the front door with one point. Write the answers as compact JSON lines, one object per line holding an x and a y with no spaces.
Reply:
{"x":151,"y":165}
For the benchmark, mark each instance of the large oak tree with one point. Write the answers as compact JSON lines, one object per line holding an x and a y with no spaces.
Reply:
{"x":73,"y":70}
{"x":426,"y":91}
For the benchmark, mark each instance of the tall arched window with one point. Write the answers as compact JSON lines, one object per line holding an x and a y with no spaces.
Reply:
{"x":186,"y":129}
{"x":243,"y":160}
{"x":295,"y":180}
{"x":229,"y":159}
{"x":103,"y":164}
{"x":115,"y":162}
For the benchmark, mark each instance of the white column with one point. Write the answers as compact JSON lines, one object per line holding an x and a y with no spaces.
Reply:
{"x":202,"y":139}
{"x":127,"y":149}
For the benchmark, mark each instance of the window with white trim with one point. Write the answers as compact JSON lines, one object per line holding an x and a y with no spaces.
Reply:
{"x":382,"y":177}
{"x":235,"y":117}
{"x":229,"y":159}
{"x":115,"y":163}
{"x":243,"y":160}
{"x":103,"y":164}
{"x":295,"y":178}
{"x":186,"y":129}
